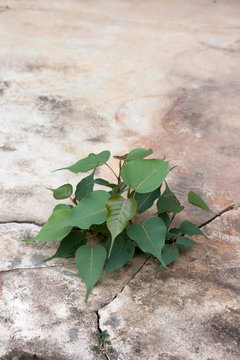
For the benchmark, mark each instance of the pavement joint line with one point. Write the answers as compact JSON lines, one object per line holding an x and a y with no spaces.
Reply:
{"x":21,"y":222}
{"x":35,"y":268}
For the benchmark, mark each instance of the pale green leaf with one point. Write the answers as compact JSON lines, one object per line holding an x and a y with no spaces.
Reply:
{"x":145,"y":175}
{"x":196,"y":200}
{"x":90,"y":210}
{"x":90,"y":261}
{"x":150,"y":236}
{"x":88,"y":163}
{"x":56,"y":228}
{"x":120,"y":211}
{"x":168,"y":202}
{"x":138,"y":153}
{"x":62,"y":192}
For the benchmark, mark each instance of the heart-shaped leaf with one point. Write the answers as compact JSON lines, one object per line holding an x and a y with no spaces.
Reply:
{"x":196,"y":200}
{"x":168,"y":202}
{"x":85,"y":186}
{"x":90,"y":261}
{"x":145,"y":175}
{"x":145,"y":201}
{"x":62,"y":192}
{"x":122,"y":252}
{"x":88,"y":163}
{"x":185,"y":243}
{"x":70,"y":244}
{"x":56,"y":228}
{"x":187,"y":227}
{"x":150,"y":236}
{"x":169,"y":254}
{"x":120,"y":211}
{"x":138,"y":153}
{"x":90,"y":210}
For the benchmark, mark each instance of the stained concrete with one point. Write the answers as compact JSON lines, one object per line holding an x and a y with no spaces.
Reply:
{"x":84,"y":76}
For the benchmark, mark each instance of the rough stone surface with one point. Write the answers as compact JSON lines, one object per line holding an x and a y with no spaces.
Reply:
{"x":190,"y":312}
{"x":84,"y":76}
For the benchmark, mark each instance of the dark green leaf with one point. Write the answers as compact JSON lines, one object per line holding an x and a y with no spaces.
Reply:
{"x":101,"y":228}
{"x":150,"y":236}
{"x":62,"y":192}
{"x":169,"y":254}
{"x":185,"y":243}
{"x":138,"y":153}
{"x":54,"y":229}
{"x":168,"y":202}
{"x":145,"y":201}
{"x":70,"y":244}
{"x":190,"y":229}
{"x":88,"y":163}
{"x":196,"y":200}
{"x":122,"y":252}
{"x":90,"y":261}
{"x":122,"y":187}
{"x":165,"y":217}
{"x":85,"y":186}
{"x":145,"y":175}
{"x":103,"y":182}
{"x":120,"y":211}
{"x":90,"y":210}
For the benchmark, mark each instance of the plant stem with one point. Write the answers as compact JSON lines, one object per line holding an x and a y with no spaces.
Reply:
{"x":73,"y":200}
{"x":134,"y":194}
{"x":171,"y":220}
{"x":119,"y":175}
{"x":111,"y":170}
{"x":128,"y":194}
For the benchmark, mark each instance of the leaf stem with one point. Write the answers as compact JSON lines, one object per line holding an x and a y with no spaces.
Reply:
{"x":134,"y":194}
{"x":74,"y":200}
{"x":111,"y":170}
{"x":171,"y":220}
{"x":128,"y":194}
{"x":119,"y":175}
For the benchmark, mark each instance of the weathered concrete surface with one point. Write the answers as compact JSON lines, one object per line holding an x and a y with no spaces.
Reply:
{"x":83,"y":76}
{"x":42,"y":304}
{"x":190,"y":312}
{"x":78,"y":77}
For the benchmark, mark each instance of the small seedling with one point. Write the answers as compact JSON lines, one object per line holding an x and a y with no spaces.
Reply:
{"x":104,"y":346}
{"x":101,"y":227}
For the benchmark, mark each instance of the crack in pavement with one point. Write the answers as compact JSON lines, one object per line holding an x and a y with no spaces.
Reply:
{"x":35,"y":268}
{"x":21,"y":222}
{"x":219,"y":214}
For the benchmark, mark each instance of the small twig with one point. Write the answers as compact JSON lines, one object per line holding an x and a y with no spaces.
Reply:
{"x":171,"y":220}
{"x":74,"y":200}
{"x":111,"y":170}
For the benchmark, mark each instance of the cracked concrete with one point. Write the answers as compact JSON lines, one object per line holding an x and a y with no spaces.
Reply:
{"x":79,"y":77}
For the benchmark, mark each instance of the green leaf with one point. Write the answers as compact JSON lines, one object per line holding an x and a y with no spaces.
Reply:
{"x":120,"y":211}
{"x":185,"y":243}
{"x":168,"y":202}
{"x":62,"y":206}
{"x":165,"y":217}
{"x":90,"y":261}
{"x":115,"y":189}
{"x":145,"y":175}
{"x":62,"y":192}
{"x":145,"y":201}
{"x":190,"y":229}
{"x":54,"y":229}
{"x":122,"y":251}
{"x":88,"y":163}
{"x":196,"y":200}
{"x":104,"y":182}
{"x":85,"y":186}
{"x":101,"y":228}
{"x":138,"y":153}
{"x":90,"y":210}
{"x":70,"y":244}
{"x":169,"y":254}
{"x":150,"y":236}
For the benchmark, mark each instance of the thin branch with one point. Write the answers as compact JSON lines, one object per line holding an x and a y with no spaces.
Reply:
{"x":111,"y":170}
